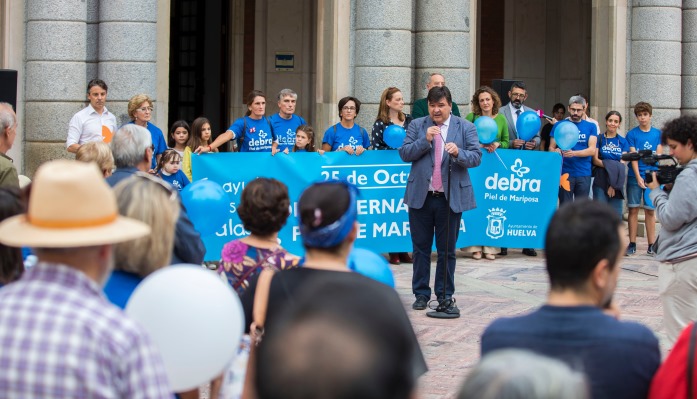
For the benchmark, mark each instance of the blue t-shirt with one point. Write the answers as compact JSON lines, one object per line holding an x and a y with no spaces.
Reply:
{"x":338,"y":136}
{"x":120,"y":286}
{"x":640,"y":140}
{"x":258,"y":137}
{"x":612,"y":148}
{"x":285,"y":130}
{"x":579,"y":166}
{"x":158,"y":140}
{"x":177,"y":180}
{"x":618,"y":357}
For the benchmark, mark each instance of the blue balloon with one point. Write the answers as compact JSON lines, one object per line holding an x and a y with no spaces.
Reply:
{"x":487,"y":130}
{"x":370,"y":264}
{"x":207,"y":205}
{"x":527,"y":125}
{"x":394,"y":136}
{"x":566,"y":135}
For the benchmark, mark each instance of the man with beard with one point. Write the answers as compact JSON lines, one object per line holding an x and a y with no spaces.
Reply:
{"x":518,"y":94}
{"x":515,"y":107}
{"x":577,"y":160}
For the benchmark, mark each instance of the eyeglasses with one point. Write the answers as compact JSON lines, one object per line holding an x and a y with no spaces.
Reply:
{"x":517,"y":95}
{"x":145,"y":109}
{"x":349,"y":108}
{"x":166,"y":186}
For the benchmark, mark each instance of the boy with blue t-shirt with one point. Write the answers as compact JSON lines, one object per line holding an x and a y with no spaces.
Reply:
{"x":642,"y":137}
{"x":577,"y":161}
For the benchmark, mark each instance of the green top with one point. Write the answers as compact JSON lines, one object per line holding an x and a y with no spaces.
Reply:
{"x":500,"y":120}
{"x":420,"y":109}
{"x":8,"y":173}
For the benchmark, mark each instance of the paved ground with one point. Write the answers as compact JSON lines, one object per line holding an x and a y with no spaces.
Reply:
{"x":510,"y":285}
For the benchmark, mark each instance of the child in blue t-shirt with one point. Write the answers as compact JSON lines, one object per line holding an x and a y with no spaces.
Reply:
{"x":169,"y":169}
{"x":347,"y":135}
{"x":642,"y":137}
{"x":304,"y":140}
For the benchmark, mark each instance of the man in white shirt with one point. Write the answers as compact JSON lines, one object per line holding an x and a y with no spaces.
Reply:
{"x":94,"y":122}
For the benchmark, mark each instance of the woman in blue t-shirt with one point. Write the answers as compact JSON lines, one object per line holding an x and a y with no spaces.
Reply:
{"x":609,"y":171}
{"x":347,"y":135}
{"x":253,"y":132}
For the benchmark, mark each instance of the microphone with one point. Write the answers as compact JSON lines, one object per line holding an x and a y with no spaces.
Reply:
{"x":541,"y":114}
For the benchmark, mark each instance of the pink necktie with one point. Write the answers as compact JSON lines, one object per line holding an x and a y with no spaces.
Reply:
{"x":437,"y":180}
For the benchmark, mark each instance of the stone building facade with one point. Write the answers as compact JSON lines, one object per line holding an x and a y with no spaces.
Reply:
{"x":210,"y":53}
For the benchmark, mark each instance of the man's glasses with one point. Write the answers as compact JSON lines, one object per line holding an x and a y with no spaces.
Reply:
{"x":349,"y":108}
{"x":518,"y":95}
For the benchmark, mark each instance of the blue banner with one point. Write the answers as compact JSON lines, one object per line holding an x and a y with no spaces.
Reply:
{"x":514,"y":203}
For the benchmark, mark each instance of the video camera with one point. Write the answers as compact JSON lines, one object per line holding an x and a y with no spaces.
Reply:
{"x":668,"y":167}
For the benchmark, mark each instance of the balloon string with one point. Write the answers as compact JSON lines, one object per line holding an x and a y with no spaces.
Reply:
{"x":497,"y":156}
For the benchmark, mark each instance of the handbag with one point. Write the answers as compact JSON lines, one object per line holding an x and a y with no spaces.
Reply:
{"x":256,"y":330}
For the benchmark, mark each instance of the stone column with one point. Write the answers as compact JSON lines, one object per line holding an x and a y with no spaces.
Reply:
{"x":54,"y":78}
{"x":443,"y":45}
{"x":382,"y":53}
{"x":689,"y":57}
{"x":655,"y":63}
{"x":128,"y":52}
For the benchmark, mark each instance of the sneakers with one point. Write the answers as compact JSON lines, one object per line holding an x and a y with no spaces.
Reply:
{"x":651,"y":251}
{"x":631,"y":249}
{"x":421,"y":303}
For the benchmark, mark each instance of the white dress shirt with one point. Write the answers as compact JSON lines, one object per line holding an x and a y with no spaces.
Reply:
{"x":87,"y":126}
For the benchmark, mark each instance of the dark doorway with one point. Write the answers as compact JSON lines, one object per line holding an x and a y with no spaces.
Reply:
{"x":200,"y":62}
{"x":491,"y":31}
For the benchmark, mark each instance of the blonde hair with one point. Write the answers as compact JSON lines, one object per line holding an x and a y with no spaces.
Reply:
{"x":150,"y":201}
{"x":135,"y":102}
{"x":98,"y":152}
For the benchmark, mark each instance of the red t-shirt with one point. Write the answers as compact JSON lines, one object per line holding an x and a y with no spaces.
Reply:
{"x":670,"y":381}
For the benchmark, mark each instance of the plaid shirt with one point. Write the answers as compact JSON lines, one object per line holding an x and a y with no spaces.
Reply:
{"x":61,"y":338}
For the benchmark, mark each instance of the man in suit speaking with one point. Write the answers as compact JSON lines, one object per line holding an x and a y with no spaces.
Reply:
{"x":433,"y":144}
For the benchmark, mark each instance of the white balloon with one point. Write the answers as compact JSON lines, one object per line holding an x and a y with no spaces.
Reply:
{"x":194,"y":319}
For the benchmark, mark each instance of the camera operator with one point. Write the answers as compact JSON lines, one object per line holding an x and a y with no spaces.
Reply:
{"x":677,"y":242}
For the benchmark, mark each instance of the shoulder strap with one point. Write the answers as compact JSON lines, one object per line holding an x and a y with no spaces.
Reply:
{"x":261,"y":302}
{"x":273,"y":134}
{"x":691,"y":362}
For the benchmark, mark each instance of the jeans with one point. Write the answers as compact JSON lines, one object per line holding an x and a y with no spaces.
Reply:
{"x":616,"y":203}
{"x":580,"y":188}
{"x":423,"y":223}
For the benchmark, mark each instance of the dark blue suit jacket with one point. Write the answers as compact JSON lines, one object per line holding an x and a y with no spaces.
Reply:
{"x":188,"y":247}
{"x":420,"y":152}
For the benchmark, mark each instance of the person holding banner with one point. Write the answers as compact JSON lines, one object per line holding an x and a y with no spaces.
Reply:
{"x":485,"y":102}
{"x":253,"y":131}
{"x":577,"y":160}
{"x":441,"y":148}
{"x":347,"y":135}
{"x":390,"y":113}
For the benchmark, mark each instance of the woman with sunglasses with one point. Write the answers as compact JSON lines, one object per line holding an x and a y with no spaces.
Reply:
{"x":140,"y":108}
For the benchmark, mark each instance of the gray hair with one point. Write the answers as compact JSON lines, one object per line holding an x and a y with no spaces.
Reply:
{"x":7,"y":117}
{"x":519,"y":374}
{"x":287,"y":92}
{"x":577,"y":100}
{"x":129,"y":145}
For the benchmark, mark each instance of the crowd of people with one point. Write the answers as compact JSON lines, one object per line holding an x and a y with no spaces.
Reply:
{"x":63,"y":334}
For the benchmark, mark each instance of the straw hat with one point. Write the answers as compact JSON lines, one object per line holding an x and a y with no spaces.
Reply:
{"x":70,"y":206}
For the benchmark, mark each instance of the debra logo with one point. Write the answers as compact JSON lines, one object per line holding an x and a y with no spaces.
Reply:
{"x":262,"y":141}
{"x":514,"y":183}
{"x":496,"y":225}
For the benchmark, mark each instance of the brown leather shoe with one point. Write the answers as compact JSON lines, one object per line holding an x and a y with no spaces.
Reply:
{"x":394,"y":259}
{"x":405,"y":258}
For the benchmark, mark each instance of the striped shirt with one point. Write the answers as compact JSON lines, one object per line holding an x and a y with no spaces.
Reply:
{"x":61,"y":338}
